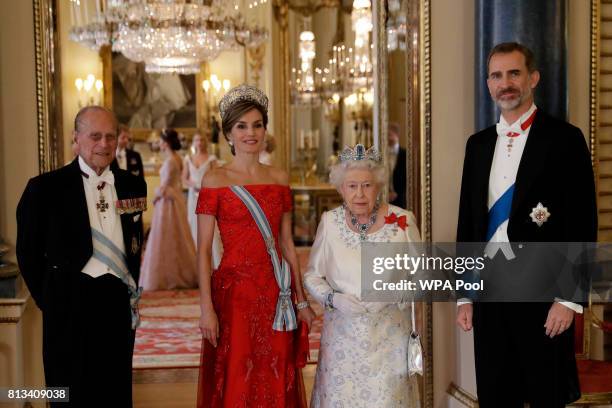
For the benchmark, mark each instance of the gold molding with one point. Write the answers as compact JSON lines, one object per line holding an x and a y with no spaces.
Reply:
{"x":10,"y":320}
{"x":594,"y":399}
{"x":462,"y":396}
{"x":48,"y":85}
{"x":381,"y":78}
{"x":425,"y":116}
{"x":309,"y":7}
{"x":594,"y":85}
{"x":282,"y":106}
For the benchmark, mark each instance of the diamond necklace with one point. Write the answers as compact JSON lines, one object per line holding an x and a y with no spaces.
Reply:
{"x":363,"y":228}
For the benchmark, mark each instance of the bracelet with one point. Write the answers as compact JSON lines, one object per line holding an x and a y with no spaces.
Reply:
{"x":302,"y":305}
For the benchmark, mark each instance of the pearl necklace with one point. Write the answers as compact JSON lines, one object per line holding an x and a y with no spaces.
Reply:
{"x":363,"y":228}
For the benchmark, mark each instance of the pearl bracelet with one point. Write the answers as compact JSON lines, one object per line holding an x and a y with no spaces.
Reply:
{"x":302,"y":305}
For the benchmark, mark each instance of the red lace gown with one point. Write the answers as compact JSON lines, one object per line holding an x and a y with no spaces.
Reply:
{"x":253,"y":365}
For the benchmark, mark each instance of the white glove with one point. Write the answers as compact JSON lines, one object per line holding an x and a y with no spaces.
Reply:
{"x":375,"y":307}
{"x":348,"y":304}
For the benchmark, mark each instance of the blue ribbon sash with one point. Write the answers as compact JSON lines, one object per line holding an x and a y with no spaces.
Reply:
{"x":284,"y":319}
{"x":500,"y":212}
{"x":105,"y":251}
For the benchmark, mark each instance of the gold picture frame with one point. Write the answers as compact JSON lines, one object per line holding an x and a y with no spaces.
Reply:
{"x":143,"y":134}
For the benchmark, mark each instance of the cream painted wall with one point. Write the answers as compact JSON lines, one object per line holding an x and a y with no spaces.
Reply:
{"x":452,"y":73}
{"x":18,"y":162}
{"x":18,"y":127}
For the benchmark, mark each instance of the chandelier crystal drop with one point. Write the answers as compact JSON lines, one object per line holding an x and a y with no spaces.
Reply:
{"x":167,"y":35}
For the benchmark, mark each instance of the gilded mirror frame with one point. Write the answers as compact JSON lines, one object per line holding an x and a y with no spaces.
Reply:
{"x":418,"y":109}
{"x":48,"y":85}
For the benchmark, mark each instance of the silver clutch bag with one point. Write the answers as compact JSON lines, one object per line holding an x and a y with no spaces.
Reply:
{"x":415,"y":351}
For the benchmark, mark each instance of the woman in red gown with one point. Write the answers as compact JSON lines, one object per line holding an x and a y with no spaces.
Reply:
{"x":245,"y":362}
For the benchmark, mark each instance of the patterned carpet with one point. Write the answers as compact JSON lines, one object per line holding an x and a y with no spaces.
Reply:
{"x":169,"y":336}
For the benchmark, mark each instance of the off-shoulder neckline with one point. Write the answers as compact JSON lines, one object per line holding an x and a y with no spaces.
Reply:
{"x":251,"y":185}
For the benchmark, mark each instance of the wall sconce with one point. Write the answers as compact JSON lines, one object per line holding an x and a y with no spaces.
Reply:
{"x":89,"y":90}
{"x":214,"y":89}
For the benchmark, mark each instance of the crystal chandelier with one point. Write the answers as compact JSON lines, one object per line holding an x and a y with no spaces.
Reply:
{"x":361,"y":18}
{"x":397,"y":29}
{"x":167,"y":35}
{"x":305,"y":80}
{"x":349,"y":71}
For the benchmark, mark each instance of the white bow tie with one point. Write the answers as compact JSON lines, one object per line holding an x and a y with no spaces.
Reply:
{"x":107,"y":177}
{"x":514,"y":130}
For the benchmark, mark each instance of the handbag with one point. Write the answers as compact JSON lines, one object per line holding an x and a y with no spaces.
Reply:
{"x":285,"y":318}
{"x":415,"y":351}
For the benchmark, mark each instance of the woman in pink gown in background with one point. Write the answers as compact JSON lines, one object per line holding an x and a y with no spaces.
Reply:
{"x":169,"y":260}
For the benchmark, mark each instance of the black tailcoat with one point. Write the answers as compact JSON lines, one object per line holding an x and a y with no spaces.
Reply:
{"x":86,"y":321}
{"x":399,"y":179}
{"x":134,"y":163}
{"x":513,"y":355}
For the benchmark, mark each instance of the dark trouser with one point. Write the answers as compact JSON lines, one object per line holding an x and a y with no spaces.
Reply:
{"x":517,"y":363}
{"x":90,"y":349}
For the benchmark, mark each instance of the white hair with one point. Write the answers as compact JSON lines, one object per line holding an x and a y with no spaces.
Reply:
{"x":338,"y":171}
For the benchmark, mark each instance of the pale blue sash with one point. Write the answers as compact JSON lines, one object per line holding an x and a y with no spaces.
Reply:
{"x":105,"y":251}
{"x":284,"y":319}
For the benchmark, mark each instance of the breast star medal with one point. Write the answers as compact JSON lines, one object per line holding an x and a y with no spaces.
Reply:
{"x":539,"y":214}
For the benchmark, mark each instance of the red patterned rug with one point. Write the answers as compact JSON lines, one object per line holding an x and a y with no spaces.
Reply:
{"x":169,"y":336}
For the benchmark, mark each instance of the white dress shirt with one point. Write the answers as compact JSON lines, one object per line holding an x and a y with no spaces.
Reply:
{"x":121,"y":158}
{"x":107,"y":222}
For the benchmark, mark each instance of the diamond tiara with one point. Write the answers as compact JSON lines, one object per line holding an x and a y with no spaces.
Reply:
{"x":359,"y":152}
{"x":241,"y":93}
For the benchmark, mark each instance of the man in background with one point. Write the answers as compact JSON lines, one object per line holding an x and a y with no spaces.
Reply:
{"x":397,"y":167}
{"x":126,"y":158}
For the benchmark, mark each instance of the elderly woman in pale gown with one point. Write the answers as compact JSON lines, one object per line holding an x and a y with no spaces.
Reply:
{"x":363,"y":355}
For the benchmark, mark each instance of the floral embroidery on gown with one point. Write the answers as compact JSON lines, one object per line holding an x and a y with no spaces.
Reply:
{"x":170,"y":259}
{"x":363,"y":357}
{"x":253,"y":365}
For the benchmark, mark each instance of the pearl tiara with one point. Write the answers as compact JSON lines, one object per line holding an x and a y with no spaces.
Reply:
{"x":359,"y":152}
{"x":241,"y":93}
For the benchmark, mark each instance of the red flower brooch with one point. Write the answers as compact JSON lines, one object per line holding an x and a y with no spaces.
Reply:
{"x":394,"y":219}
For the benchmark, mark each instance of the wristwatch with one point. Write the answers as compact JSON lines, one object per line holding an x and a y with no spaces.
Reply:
{"x":329,"y":301}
